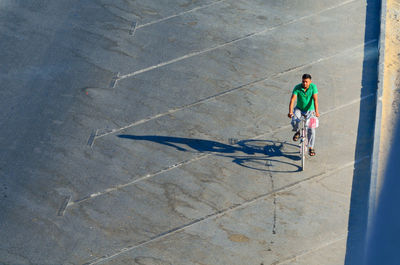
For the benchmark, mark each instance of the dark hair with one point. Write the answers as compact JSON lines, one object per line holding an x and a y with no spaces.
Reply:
{"x":306,"y":76}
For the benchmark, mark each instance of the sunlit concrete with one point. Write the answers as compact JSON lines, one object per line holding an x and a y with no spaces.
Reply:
{"x":135,"y":132}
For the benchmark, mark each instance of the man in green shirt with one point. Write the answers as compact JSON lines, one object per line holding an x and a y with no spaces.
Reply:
{"x":306,"y":94}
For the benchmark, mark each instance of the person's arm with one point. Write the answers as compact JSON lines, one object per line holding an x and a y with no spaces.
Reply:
{"x":315,"y":97}
{"x":291,"y":103}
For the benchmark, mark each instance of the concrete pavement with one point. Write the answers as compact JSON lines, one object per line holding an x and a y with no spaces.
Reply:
{"x":136,"y":132}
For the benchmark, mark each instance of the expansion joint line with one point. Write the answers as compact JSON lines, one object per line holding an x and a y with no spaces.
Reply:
{"x":171,"y":111}
{"x":312,"y":250}
{"x":118,"y":187}
{"x":229,"y":42}
{"x":179,"y":14}
{"x":271,"y":177}
{"x":228,"y":210}
{"x":147,"y":176}
{"x":186,"y":162}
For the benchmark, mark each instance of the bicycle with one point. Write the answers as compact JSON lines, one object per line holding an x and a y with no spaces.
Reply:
{"x":303,"y":141}
{"x":306,"y":123}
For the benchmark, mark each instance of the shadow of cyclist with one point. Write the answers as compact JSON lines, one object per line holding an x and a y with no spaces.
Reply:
{"x":254,"y":154}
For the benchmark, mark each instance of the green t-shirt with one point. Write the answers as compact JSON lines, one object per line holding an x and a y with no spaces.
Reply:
{"x":305,"y":100}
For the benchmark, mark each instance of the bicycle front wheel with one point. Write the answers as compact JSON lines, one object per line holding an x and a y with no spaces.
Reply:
{"x":303,"y":147}
{"x":303,"y":157}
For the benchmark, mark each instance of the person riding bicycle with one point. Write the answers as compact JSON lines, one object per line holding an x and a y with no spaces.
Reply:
{"x":306,"y":94}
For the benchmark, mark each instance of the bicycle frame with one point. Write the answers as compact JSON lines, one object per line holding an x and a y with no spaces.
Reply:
{"x":303,"y":141}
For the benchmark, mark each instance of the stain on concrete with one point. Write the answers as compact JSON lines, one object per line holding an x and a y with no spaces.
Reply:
{"x":239,"y":238}
{"x":150,"y":261}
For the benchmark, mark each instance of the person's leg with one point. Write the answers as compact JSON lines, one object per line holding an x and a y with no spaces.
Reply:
{"x":296,"y":119}
{"x":311,"y":134}
{"x":295,"y":123}
{"x":311,"y":137}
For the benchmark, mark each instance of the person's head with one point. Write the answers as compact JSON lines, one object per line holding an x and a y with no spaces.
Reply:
{"x":306,"y":81}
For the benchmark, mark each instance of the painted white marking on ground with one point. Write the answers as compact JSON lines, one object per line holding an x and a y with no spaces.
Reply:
{"x":92,"y":138}
{"x":179,"y":164}
{"x":230,"y":42}
{"x":186,"y":162}
{"x":312,"y":250}
{"x":171,"y":111}
{"x":114,"y":80}
{"x":228,"y":210}
{"x":179,"y":14}
{"x":349,"y":103}
{"x":133,"y":28}
{"x":118,"y":187}
{"x":64,"y":205}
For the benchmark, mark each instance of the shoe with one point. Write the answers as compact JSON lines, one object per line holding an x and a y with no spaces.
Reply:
{"x":296,"y":136}
{"x":311,"y":152}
